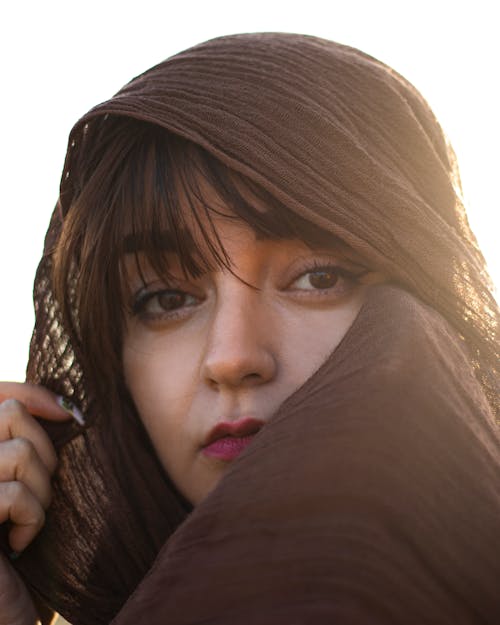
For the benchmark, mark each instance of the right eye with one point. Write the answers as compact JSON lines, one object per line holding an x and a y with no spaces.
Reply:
{"x":163,"y":304}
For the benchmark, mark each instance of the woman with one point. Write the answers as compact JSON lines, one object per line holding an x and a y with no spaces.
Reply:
{"x":290,"y":439}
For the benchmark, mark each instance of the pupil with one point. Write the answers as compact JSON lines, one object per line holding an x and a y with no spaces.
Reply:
{"x":170,"y":301}
{"x":323,"y":279}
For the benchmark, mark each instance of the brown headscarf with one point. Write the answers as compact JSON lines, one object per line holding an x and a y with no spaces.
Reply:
{"x":373,"y":496}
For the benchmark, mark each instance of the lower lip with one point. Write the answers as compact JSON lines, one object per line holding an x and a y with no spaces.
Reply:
{"x":227,"y":448}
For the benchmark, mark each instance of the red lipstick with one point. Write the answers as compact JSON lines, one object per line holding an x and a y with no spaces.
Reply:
{"x":228,"y":439}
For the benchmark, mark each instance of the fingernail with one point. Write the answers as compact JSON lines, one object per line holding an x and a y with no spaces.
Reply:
{"x":14,"y":555}
{"x":70,"y":408}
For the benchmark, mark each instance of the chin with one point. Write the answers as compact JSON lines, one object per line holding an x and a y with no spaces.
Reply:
{"x":195,"y":494}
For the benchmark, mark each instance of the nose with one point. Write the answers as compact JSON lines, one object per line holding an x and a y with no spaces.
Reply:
{"x":239,"y":350}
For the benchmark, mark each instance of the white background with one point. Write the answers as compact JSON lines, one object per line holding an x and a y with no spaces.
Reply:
{"x":60,"y":58}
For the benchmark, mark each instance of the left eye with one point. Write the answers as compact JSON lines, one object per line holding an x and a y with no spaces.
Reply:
{"x":318,"y":279}
{"x":163,"y":302}
{"x":170,"y":300}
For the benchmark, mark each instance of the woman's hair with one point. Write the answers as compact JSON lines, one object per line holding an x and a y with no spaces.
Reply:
{"x":148,"y":192}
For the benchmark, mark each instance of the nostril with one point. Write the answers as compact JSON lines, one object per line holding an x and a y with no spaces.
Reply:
{"x":249,"y":379}
{"x":252,"y":376}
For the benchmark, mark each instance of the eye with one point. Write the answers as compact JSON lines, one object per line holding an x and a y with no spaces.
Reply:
{"x":165,"y":303}
{"x":330,"y":278}
{"x":319,"y":278}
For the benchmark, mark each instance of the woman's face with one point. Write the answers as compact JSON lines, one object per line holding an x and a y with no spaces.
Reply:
{"x":209,"y":360}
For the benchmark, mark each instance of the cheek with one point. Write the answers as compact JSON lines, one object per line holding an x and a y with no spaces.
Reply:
{"x":161,"y":383}
{"x":160,"y":368}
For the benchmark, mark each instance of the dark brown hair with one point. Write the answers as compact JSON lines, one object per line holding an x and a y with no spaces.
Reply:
{"x":143,"y":190}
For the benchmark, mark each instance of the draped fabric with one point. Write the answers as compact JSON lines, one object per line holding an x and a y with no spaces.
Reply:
{"x":373,"y":494}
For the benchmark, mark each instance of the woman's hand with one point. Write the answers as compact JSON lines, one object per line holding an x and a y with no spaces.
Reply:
{"x":27,"y":462}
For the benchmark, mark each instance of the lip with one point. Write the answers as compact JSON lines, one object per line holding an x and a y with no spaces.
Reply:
{"x":228,"y":439}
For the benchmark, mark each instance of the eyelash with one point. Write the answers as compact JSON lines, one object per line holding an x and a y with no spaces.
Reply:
{"x":143,"y":296}
{"x":340,"y":272}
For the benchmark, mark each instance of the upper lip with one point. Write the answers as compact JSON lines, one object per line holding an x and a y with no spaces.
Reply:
{"x":240,"y":427}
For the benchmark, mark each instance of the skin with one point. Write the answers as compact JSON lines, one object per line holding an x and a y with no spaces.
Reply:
{"x":232,"y":344}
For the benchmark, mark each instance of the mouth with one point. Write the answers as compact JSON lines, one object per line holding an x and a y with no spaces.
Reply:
{"x":228,"y":439}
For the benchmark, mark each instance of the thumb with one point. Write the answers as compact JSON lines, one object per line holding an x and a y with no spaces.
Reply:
{"x":39,"y":401}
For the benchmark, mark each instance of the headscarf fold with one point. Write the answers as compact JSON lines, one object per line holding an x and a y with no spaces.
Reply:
{"x":401,"y":467}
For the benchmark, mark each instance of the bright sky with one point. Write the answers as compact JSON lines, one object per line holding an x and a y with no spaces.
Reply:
{"x":60,"y":58}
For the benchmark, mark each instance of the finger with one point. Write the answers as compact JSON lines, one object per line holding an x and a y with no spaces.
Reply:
{"x":19,"y":462}
{"x":16,"y":422}
{"x":20,"y":506}
{"x":38,"y":400}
